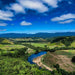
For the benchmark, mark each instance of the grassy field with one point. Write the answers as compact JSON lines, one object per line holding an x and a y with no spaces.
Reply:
{"x":8,"y":47}
{"x":68,"y":53}
{"x":39,"y":44}
{"x":73,"y":44}
{"x":48,"y":44}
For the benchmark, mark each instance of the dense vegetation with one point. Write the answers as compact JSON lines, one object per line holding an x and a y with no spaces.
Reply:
{"x":5,"y":41}
{"x":65,"y":40}
{"x":16,"y":63}
{"x":73,"y":59}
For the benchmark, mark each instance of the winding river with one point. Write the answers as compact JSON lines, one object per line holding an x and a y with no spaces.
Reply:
{"x":32,"y":60}
{"x":33,"y":56}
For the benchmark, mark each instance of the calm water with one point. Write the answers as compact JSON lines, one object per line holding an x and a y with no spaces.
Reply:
{"x":30,"y":59}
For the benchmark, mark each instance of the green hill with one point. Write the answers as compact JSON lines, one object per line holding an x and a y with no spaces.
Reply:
{"x":5,"y":41}
{"x":63,"y":58}
{"x":67,"y":41}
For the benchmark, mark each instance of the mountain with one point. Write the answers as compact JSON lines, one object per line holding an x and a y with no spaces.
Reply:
{"x":42,"y":35}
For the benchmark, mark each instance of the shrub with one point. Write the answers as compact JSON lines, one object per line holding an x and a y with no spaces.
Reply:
{"x":73,"y":59}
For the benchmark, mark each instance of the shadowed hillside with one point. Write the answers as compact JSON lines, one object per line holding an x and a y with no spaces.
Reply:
{"x":42,"y":35}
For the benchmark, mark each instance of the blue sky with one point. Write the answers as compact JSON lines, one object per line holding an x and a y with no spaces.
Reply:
{"x":33,"y":16}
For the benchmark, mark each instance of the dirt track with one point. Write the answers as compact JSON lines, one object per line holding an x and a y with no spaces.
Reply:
{"x":40,"y":64}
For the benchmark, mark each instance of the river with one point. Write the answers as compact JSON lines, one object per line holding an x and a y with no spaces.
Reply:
{"x":30,"y":58}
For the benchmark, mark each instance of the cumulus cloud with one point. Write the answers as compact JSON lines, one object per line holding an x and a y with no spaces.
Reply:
{"x":16,"y":7}
{"x":53,"y":3}
{"x":34,"y":5}
{"x":6,"y":15}
{"x":37,"y":5}
{"x":24,"y":23}
{"x":3,"y":24}
{"x":64,"y":17}
{"x":67,"y":21}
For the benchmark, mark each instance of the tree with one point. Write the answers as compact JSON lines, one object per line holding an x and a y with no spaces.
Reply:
{"x":73,"y":59}
{"x":67,"y":42}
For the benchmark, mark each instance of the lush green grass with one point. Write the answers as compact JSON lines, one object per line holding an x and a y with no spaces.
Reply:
{"x":68,"y":53}
{"x":48,"y":44}
{"x":39,"y":44}
{"x":5,"y":49}
{"x":73,"y":44}
{"x":8,"y":47}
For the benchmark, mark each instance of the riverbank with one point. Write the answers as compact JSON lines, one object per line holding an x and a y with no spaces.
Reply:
{"x":40,"y":64}
{"x":33,"y":56}
{"x":36,"y":59}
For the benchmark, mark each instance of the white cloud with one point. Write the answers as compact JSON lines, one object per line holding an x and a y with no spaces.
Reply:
{"x":52,"y":3}
{"x":64,"y":17}
{"x":3,"y":24}
{"x":24,"y":23}
{"x":67,"y":21}
{"x":6,"y":15}
{"x":17,"y":8}
{"x":34,"y":5}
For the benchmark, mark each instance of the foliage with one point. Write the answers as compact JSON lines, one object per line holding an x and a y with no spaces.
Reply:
{"x":5,"y":41}
{"x":17,"y":66}
{"x":65,"y":40}
{"x":73,"y":59}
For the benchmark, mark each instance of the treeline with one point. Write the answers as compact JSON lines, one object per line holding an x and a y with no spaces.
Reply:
{"x":46,"y":48}
{"x":57,"y":39}
{"x":20,"y":42}
{"x":16,"y":53}
{"x":65,"y":40}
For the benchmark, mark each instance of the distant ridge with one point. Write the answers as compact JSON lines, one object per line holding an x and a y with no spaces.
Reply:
{"x":42,"y":35}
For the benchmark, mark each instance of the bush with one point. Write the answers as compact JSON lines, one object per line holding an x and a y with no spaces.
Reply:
{"x":73,"y":59}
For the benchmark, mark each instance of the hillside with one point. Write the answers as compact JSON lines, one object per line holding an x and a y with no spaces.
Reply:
{"x":42,"y":35}
{"x":63,"y":58}
{"x":5,"y":41}
{"x":67,"y":41}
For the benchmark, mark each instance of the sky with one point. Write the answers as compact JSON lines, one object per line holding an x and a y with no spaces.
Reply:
{"x":33,"y":16}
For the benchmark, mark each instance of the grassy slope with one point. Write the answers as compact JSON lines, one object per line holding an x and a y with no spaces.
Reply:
{"x":63,"y":58}
{"x":39,"y":44}
{"x":8,"y":47}
{"x":73,"y":44}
